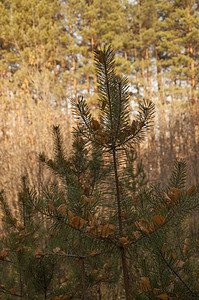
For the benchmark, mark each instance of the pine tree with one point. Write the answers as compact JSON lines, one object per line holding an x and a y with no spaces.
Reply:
{"x":21,"y":237}
{"x":115,"y":135}
{"x":94,"y":173}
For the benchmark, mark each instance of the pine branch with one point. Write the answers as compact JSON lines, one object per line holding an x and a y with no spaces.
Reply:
{"x":176,"y":274}
{"x":141,"y":125}
{"x":5,"y":291}
{"x":113,"y":94}
{"x":178,"y":177}
{"x":83,"y":113}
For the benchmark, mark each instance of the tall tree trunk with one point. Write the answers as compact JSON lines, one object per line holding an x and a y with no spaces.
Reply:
{"x":151,"y":136}
{"x":193,"y":75}
{"x":141,"y":50}
{"x":137,"y":75}
{"x":192,"y":63}
{"x":92,"y":49}
{"x":88,"y":83}
{"x":148,"y":75}
{"x":143,"y":78}
{"x":195,"y":148}
{"x":159,"y":79}
{"x":94,"y":76}
{"x":74,"y":64}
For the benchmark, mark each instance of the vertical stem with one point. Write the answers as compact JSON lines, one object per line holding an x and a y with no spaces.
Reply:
{"x":123,"y":252}
{"x":117,"y":193}
{"x":126,"y":275}
{"x":45,"y":286}
{"x":81,"y":260}
{"x":21,"y":283}
{"x":83,"y":274}
{"x":99,"y":292}
{"x":39,"y":179}
{"x":83,"y":277}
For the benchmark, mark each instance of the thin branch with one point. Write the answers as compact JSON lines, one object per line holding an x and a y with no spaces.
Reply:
{"x":176,"y":274}
{"x":4,"y":290}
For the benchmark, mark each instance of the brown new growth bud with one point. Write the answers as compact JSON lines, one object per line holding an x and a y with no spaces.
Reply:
{"x":103,"y":105}
{"x":39,"y":253}
{"x":62,"y":208}
{"x":191,"y":189}
{"x":133,"y":127}
{"x":141,"y":124}
{"x":174,"y":194}
{"x":101,"y":56}
{"x":95,"y":124}
{"x":3,"y":255}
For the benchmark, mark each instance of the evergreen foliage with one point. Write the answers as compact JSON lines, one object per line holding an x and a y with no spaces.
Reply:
{"x":96,"y":230}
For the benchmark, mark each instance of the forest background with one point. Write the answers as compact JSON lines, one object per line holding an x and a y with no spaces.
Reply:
{"x":46,"y":58}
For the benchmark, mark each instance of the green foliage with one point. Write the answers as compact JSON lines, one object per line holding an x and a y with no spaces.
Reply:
{"x":97,"y":225}
{"x":21,"y":237}
{"x":178,"y":178}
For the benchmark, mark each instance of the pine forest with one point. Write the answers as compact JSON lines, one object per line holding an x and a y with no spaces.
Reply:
{"x":99,"y":149}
